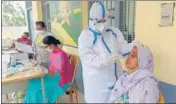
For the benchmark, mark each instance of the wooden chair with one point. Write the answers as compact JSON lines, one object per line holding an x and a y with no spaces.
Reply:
{"x":161,"y":99}
{"x":72,"y":90}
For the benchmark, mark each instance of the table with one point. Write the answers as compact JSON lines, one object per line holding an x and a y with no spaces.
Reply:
{"x":19,"y":82}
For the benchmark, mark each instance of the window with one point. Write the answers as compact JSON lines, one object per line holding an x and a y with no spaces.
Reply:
{"x":30,"y":19}
{"x":46,"y":12}
{"x":122,"y":16}
{"x":28,"y":4}
{"x":13,"y":19}
{"x":129,"y":22}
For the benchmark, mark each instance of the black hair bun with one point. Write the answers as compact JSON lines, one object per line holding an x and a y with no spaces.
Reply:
{"x":58,"y":42}
{"x":51,"y":40}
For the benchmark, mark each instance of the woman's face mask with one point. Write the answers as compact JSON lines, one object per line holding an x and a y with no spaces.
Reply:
{"x":40,"y":32}
{"x":48,"y":48}
{"x":24,"y":38}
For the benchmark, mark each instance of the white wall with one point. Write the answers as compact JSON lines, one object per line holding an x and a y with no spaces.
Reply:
{"x":161,"y":40}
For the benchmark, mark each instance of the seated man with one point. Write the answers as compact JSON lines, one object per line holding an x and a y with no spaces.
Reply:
{"x":25,"y":40}
{"x":137,"y":84}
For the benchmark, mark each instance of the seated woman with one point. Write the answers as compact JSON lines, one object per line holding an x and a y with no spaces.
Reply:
{"x":137,"y":84}
{"x":58,"y":79}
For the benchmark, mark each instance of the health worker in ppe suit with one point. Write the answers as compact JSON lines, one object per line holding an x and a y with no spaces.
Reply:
{"x":100,"y":47}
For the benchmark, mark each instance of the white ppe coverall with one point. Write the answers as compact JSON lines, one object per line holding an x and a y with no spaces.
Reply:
{"x":99,"y":73}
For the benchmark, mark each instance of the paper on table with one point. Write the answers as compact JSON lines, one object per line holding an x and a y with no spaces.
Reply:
{"x":5,"y":61}
{"x":10,"y":52}
{"x":24,"y":47}
{"x":5,"y":58}
{"x":21,"y":56}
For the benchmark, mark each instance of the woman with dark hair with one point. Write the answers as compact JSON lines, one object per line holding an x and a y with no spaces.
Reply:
{"x":58,"y":79}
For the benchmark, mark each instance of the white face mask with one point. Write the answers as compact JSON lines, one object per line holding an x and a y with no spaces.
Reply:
{"x":49,"y":50}
{"x":100,"y":27}
{"x":40,"y":32}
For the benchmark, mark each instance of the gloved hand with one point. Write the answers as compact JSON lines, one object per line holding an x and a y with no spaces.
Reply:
{"x":42,"y":64}
{"x":45,"y":70}
{"x":43,"y":67}
{"x":113,"y":57}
